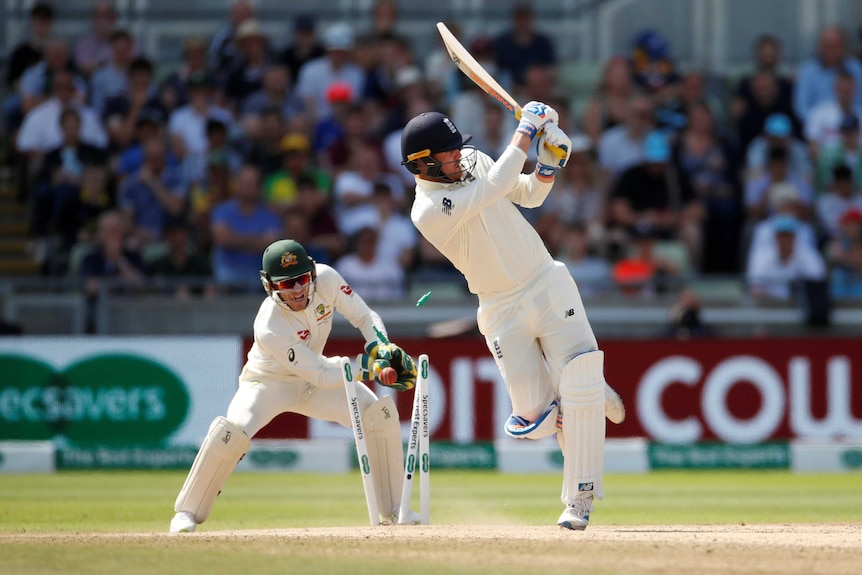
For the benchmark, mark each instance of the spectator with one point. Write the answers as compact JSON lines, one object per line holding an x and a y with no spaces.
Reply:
{"x":765,"y":102}
{"x":93,"y":50}
{"x":304,"y":46}
{"x":684,"y":319}
{"x":609,"y":105}
{"x":707,"y":162}
{"x":388,"y":56}
{"x":778,"y":132}
{"x":323,"y":233}
{"x":262,"y":145}
{"x":842,"y":197}
{"x":495,"y":131}
{"x":522,"y":45}
{"x":845,"y":257}
{"x":845,"y":151}
{"x":335,"y":67}
{"x":775,"y":270}
{"x":122,"y":112}
{"x":767,"y":61}
{"x":353,"y":191}
{"x":653,"y":67}
{"x":205,"y":195}
{"x":112,"y":79}
{"x":392,"y":141}
{"x":223,"y":53}
{"x":355,"y":135}
{"x":590,"y":272}
{"x":622,"y":146}
{"x":242,"y":228}
{"x":815,"y":78}
{"x":275,"y":94}
{"x":96,"y":198}
{"x":756,"y":194}
{"x":468,"y":104}
{"x":673,"y":114}
{"x":824,"y":119}
{"x":376,"y":278}
{"x":150,"y":123}
{"x":657,"y":195}
{"x":280,"y":189}
{"x":111,"y":265}
{"x":384,"y":17}
{"x":36,"y":82}
{"x":641,"y":272}
{"x":154,"y":195}
{"x":397,"y":238}
{"x":784,"y":201}
{"x":174,"y":90}
{"x":183,"y":270}
{"x":246,"y":77}
{"x":41,"y":131}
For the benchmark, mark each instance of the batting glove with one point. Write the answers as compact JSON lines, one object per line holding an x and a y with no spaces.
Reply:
{"x":554,"y":149}
{"x":535,"y":116}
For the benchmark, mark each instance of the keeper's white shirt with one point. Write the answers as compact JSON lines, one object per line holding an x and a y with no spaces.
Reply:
{"x":475,"y":223}
{"x":288,"y":345}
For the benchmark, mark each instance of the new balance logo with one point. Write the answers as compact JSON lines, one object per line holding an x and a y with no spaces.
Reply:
{"x":447,"y":206}
{"x":585,"y":486}
{"x":569,"y":313}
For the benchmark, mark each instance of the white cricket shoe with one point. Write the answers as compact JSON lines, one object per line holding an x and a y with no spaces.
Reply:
{"x":577,"y":514}
{"x":615,"y":411}
{"x":183,"y":522}
{"x":413,"y":518}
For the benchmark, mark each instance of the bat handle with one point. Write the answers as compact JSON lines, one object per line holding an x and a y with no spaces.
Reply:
{"x":556,"y":150}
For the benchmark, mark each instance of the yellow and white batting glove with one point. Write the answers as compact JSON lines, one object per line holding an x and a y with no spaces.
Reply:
{"x":548,"y":162}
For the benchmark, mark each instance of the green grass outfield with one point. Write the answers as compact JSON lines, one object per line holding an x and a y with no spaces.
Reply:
{"x":140,"y":502}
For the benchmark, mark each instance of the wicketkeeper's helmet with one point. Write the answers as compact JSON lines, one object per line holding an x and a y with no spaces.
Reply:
{"x":285,"y":263}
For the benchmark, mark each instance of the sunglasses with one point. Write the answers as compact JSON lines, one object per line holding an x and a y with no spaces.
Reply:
{"x":291,"y":283}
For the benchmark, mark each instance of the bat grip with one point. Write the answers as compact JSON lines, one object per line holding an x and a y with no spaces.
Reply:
{"x":556,"y":150}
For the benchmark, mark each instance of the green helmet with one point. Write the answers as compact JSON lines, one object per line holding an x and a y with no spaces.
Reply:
{"x":285,"y":259}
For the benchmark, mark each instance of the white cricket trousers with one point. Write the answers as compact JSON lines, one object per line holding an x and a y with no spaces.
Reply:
{"x":533,"y":332}
{"x":256,"y":403}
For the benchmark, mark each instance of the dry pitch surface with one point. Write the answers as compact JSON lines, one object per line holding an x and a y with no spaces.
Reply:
{"x":788,"y":549}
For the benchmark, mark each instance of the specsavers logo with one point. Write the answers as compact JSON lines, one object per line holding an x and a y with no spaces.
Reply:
{"x":109,"y":400}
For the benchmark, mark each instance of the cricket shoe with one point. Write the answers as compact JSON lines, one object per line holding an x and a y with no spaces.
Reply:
{"x":183,"y":522}
{"x":577,"y":514}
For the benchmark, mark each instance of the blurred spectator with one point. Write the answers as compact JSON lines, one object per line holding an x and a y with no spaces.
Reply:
{"x":329,"y":129}
{"x":392,"y":141}
{"x":622,"y":146}
{"x":353,"y":190}
{"x":37,"y":81}
{"x":205,"y":195}
{"x":776,"y":269}
{"x":174,"y":90}
{"x":58,"y":184}
{"x":182,"y":269}
{"x":384,"y":17}
{"x":110,"y":265}
{"x":150,"y":123}
{"x":707,"y":161}
{"x":842,"y":197}
{"x":673,"y":114}
{"x":494,"y":135}
{"x":765,"y":102}
{"x":122,"y":112}
{"x":280,"y":189}
{"x":154,"y":195}
{"x":242,"y":227}
{"x":112,"y":78}
{"x":97,"y":197}
{"x":443,"y":79}
{"x":609,"y":105}
{"x":845,"y":151}
{"x":219,"y":148}
{"x":378,"y":279}
{"x":845,"y":257}
{"x":313,"y":206}
{"x":275,"y":94}
{"x":540,"y":84}
{"x":304,"y":46}
{"x":432,"y":266}
{"x":397,"y":236}
{"x":656,"y":195}
{"x":246,"y":76}
{"x":24,"y":55}
{"x":354,"y":136}
{"x":815,"y":77}
{"x":93,"y":49}
{"x":590,"y":272}
{"x":641,"y":272}
{"x":522,"y":45}
{"x":824,"y":119}
{"x":223,"y":53}
{"x":653,"y":67}
{"x":684,"y":320}
{"x":756,"y":194}
{"x":188,"y":125}
{"x":41,"y":131}
{"x":467,"y":105}
{"x":335,"y":67}
{"x":767,"y":52}
{"x":778,"y":133}
{"x":784,"y":202}
{"x":262,"y":146}
{"x":389,"y":55}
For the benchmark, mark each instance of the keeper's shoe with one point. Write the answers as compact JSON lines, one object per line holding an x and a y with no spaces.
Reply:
{"x":183,"y":522}
{"x":413,"y":518}
{"x":577,"y":514}
{"x":615,"y":411}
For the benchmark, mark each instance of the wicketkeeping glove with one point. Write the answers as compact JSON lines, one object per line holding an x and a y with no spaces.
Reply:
{"x":380,"y":355}
{"x":535,"y":116}
{"x":549,"y":162}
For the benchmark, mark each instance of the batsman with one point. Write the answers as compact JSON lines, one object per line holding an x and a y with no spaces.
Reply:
{"x":286,"y":371}
{"x":530,"y":310}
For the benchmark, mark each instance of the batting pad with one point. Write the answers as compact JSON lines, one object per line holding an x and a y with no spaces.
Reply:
{"x":383,"y":432}
{"x":224,"y":446}
{"x":582,"y":402}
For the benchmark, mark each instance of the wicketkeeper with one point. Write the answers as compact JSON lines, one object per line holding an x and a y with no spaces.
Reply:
{"x":287,"y":371}
{"x":530,"y":310}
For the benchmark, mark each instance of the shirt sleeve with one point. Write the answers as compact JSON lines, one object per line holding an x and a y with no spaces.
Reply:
{"x":351,"y":305}
{"x":290,"y":352}
{"x":530,"y":192}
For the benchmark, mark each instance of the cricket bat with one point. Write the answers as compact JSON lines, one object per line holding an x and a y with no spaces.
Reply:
{"x":473,"y":70}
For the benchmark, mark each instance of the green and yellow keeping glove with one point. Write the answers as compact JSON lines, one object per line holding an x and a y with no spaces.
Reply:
{"x":379,"y":355}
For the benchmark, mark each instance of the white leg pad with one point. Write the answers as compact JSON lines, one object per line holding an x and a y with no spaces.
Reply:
{"x":225,"y":444}
{"x":582,"y":401}
{"x":383,"y":433}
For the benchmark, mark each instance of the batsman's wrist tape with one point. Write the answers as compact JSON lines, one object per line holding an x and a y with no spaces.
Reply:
{"x":546,"y":171}
{"x":528,"y":129}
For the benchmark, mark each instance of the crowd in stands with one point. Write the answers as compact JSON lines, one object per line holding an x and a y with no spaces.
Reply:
{"x":162,"y":171}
